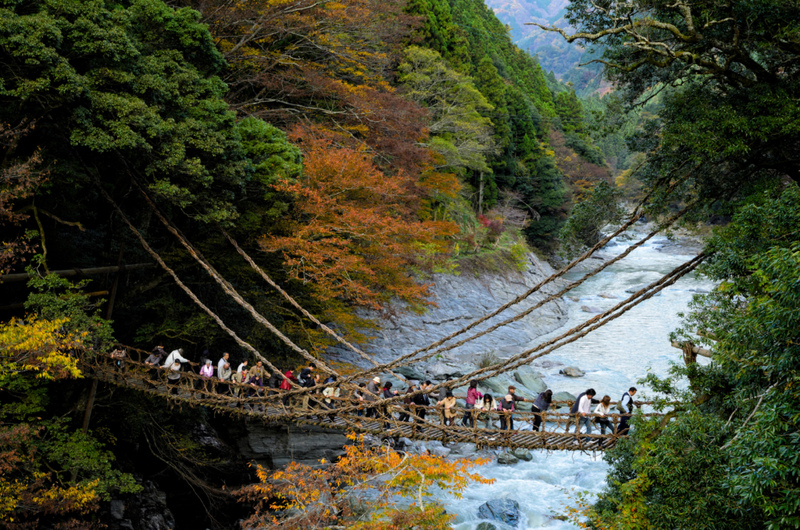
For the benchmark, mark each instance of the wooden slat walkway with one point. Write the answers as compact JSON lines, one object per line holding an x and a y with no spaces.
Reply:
{"x":217,"y":395}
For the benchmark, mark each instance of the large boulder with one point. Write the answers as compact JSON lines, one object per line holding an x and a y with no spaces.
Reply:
{"x":572,"y":371}
{"x":441,"y":452}
{"x":590,"y":309}
{"x":507,"y":459}
{"x":522,"y":454}
{"x":485,"y":526}
{"x":502,"y":510}
{"x":496,"y":386}
{"x":443,"y":371}
{"x":530,"y":380}
{"x":410,"y":372}
{"x":563,"y":396}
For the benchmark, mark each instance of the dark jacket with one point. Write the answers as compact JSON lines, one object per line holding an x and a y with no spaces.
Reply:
{"x":541,"y":403}
{"x":574,"y":409}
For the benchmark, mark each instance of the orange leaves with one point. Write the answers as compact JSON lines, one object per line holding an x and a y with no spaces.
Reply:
{"x":353,"y":233}
{"x":372,"y":476}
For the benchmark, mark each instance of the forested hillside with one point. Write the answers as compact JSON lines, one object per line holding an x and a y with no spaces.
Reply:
{"x":349,"y":148}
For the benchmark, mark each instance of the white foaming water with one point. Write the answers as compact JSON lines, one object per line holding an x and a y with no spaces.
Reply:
{"x":614,"y":357}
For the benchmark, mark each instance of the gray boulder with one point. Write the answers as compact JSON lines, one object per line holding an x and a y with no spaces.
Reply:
{"x":590,"y":309}
{"x":530,"y":380}
{"x":442,"y":370}
{"x":608,"y":296}
{"x":574,"y":298}
{"x":441,"y":452}
{"x":502,"y":510}
{"x":485,"y":526}
{"x":507,"y":459}
{"x":497,"y":386}
{"x":563,"y":396}
{"x":410,"y":372}
{"x":572,"y":371}
{"x":522,"y":454}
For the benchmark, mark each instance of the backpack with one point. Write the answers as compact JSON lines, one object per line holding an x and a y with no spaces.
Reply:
{"x":620,"y":406}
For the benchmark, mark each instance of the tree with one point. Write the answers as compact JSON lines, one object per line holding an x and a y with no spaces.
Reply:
{"x":318,"y":497}
{"x":460,"y":134}
{"x":351,"y":233}
{"x":730,"y":72}
{"x":51,"y":474}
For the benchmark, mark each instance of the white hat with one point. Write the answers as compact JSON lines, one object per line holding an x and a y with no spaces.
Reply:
{"x":376,"y":379}
{"x":509,"y":397}
{"x":208,"y":361}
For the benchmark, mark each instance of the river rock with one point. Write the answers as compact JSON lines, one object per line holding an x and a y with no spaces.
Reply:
{"x":145,"y":510}
{"x":507,"y":459}
{"x":563,"y":396}
{"x":546,"y":364}
{"x":590,"y":309}
{"x":410,"y":372}
{"x":530,"y":380}
{"x":442,"y":371}
{"x":608,"y":296}
{"x":522,"y":454}
{"x":497,"y":386}
{"x":441,"y":452}
{"x":485,"y":526}
{"x":574,"y":298}
{"x":276,"y":445}
{"x":572,"y":371}
{"x":503,"y":510}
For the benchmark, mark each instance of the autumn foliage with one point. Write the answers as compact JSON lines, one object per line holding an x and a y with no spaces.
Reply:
{"x":302,"y":496}
{"x":354,"y":230}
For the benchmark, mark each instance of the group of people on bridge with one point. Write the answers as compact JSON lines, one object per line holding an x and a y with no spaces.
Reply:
{"x":326,"y":394}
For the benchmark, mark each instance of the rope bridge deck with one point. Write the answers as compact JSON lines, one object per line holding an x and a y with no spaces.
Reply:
{"x":423,"y":423}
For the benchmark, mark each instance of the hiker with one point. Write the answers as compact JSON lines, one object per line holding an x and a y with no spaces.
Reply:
{"x":222,"y":362}
{"x":506,"y":407}
{"x":239,"y":379}
{"x":358,"y":394}
{"x":371,"y":395}
{"x":306,"y":375}
{"x":541,"y":404}
{"x":330,"y":393}
{"x":584,"y":409}
{"x":258,"y":370}
{"x":174,"y":377}
{"x":573,"y":411}
{"x":421,"y":402}
{"x":274,"y":383}
{"x":207,"y":369}
{"x":486,"y":407}
{"x":408,"y":403}
{"x":602,"y":410}
{"x":449,"y":407}
{"x":286,"y":384}
{"x":473,"y":395}
{"x":175,"y":355}
{"x":387,"y":392}
{"x":242,"y":366}
{"x":225,"y":372}
{"x":154,"y":361}
{"x":625,"y":407}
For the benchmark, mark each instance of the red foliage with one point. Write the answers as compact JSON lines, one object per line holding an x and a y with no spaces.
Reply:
{"x":353,"y":232}
{"x":17,"y":181}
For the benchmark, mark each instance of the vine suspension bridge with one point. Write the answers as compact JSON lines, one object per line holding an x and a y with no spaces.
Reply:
{"x":303,"y":405}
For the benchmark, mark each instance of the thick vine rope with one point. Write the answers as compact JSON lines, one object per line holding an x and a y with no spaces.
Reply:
{"x":229,"y":289}
{"x":180,"y":284}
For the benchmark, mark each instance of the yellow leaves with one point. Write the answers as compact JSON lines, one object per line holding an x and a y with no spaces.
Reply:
{"x":42,"y":346}
{"x":78,"y":496}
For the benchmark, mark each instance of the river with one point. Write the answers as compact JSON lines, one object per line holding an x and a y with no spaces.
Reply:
{"x":614,"y":357}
